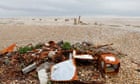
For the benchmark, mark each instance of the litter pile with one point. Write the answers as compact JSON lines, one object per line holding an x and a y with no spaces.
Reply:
{"x":60,"y":62}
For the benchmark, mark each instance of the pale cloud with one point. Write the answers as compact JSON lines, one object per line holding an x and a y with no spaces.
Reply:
{"x":69,"y":7}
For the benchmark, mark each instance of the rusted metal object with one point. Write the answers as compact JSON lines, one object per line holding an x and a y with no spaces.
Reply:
{"x":43,"y":54}
{"x":109,"y":63}
{"x":53,"y":45}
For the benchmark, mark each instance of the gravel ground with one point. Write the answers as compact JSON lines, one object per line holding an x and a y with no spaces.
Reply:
{"x":125,"y":39}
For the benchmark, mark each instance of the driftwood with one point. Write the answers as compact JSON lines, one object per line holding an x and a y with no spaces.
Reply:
{"x":99,"y":46}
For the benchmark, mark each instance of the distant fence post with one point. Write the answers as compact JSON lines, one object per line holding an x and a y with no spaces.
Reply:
{"x":79,"y":19}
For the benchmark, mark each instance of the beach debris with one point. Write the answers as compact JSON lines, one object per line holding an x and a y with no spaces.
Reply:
{"x":52,"y":60}
{"x":64,"y":71}
{"x":9,"y":54}
{"x":86,"y":43}
{"x":52,"y":44}
{"x":43,"y":54}
{"x":109,"y":63}
{"x":82,"y":56}
{"x":45,"y":65}
{"x":83,"y":46}
{"x":9,"y":49}
{"x":83,"y":23}
{"x":77,"y":46}
{"x":51,"y":54}
{"x":60,"y":43}
{"x":38,"y":46}
{"x":43,"y":76}
{"x":29,"y":68}
{"x":6,"y":61}
{"x":42,"y":71}
{"x":104,"y":46}
{"x":59,"y":57}
{"x":46,"y":44}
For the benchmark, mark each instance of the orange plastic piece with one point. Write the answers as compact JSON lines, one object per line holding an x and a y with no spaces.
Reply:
{"x":8,"y":49}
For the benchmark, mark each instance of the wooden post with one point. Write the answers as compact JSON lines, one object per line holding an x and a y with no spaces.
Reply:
{"x":79,"y":19}
{"x":75,"y":21}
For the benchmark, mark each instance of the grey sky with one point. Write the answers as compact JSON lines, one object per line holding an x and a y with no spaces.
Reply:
{"x":13,"y":8}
